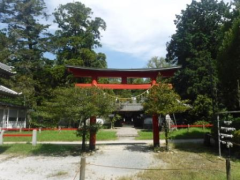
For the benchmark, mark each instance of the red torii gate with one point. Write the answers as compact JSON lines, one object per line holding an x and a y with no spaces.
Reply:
{"x":95,"y":73}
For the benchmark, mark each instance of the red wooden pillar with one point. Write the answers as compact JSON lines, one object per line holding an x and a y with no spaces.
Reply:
{"x":92,"y":143}
{"x":124,"y":80}
{"x":94,"y":80}
{"x":155,"y":130}
{"x":154,"y":80}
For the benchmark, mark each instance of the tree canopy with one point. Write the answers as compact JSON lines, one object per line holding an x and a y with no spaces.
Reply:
{"x":163,"y":100}
{"x":229,"y":66}
{"x":78,"y":35}
{"x":25,"y":39}
{"x":157,"y":62}
{"x":195,"y":45}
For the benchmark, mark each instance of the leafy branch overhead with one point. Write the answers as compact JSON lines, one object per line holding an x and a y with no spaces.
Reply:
{"x":77,"y":104}
{"x":163,"y":100}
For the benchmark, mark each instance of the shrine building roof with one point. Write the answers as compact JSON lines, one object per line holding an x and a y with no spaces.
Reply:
{"x":6,"y":70}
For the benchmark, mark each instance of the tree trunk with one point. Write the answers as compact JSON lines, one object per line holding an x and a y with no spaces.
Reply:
{"x":166,"y":135}
{"x":84,"y":136}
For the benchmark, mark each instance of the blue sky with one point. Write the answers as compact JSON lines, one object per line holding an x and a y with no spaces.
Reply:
{"x":136,"y":29}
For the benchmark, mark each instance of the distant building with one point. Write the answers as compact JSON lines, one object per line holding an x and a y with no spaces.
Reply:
{"x":11,"y":116}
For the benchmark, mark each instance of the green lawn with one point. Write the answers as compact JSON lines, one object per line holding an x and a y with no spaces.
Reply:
{"x":59,"y":136}
{"x":189,"y":161}
{"x":194,"y":133}
{"x":40,"y":149}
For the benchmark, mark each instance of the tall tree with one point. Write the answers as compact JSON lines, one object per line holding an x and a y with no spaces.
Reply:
{"x":195,"y":46}
{"x":4,"y":44}
{"x":229,"y":67}
{"x":28,"y":42}
{"x":157,"y":62}
{"x":78,"y":35}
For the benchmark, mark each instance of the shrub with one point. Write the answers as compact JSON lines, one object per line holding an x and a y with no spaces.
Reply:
{"x":201,"y":123}
{"x":236,"y":123}
{"x":236,"y":136}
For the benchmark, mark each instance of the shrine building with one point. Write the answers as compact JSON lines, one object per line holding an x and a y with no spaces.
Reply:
{"x":11,"y":115}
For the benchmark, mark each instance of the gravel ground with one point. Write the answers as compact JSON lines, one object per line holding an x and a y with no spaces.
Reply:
{"x":127,"y":153}
{"x":67,"y":168}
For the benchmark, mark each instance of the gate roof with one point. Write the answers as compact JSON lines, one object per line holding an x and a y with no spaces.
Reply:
{"x":137,"y":73}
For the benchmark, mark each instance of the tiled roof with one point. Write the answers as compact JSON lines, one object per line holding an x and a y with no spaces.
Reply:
{"x":8,"y":92}
{"x":5,"y":69}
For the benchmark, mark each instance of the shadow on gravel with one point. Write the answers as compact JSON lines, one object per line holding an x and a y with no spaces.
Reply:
{"x":139,"y":148}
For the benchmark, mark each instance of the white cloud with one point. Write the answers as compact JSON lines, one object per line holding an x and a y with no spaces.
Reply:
{"x":140,"y":28}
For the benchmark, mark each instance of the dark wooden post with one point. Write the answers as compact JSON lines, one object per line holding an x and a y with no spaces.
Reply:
{"x":228,"y":169}
{"x":155,"y":130}
{"x":92,"y":143}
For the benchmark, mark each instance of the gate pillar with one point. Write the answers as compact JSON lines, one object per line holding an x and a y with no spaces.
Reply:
{"x":155,"y":130}
{"x":92,"y":143}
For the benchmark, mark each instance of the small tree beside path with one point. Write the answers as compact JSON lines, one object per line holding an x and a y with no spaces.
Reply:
{"x":162,"y":100}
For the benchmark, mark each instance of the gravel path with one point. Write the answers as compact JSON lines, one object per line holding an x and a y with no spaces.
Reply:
{"x":127,"y":155}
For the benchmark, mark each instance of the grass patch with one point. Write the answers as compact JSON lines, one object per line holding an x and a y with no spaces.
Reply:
{"x":69,"y":136}
{"x":104,"y":135}
{"x":193,"y":133}
{"x":188,"y":162}
{"x":57,"y":174}
{"x":41,"y":149}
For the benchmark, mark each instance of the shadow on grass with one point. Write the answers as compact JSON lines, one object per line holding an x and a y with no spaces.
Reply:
{"x":146,"y":130}
{"x":194,"y":134}
{"x":3,"y":149}
{"x":196,"y":148}
{"x":57,"y":150}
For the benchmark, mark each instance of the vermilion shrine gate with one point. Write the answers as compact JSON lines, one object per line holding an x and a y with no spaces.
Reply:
{"x":124,"y":74}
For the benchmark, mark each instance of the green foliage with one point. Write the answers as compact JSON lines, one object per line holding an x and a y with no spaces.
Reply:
{"x":195,"y":45}
{"x":157,"y":62}
{"x":76,"y":105}
{"x":113,"y":119}
{"x":202,"y":108}
{"x":163,"y":100}
{"x":56,"y":135}
{"x":4,"y":44}
{"x":25,"y":42}
{"x":28,"y":38}
{"x":228,"y":67}
{"x":85,"y":130}
{"x":78,"y":35}
{"x":235,"y":123}
{"x":236,"y":136}
{"x":194,"y":133}
{"x":201,"y":123}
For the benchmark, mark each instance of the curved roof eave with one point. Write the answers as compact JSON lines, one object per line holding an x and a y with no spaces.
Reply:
{"x":8,"y":92}
{"x":125,"y":70}
{"x":5,"y":69}
{"x":143,"y":72}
